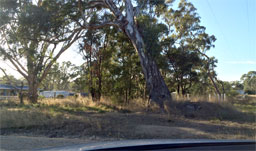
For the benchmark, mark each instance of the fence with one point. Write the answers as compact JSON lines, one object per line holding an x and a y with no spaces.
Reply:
{"x":209,"y":97}
{"x":8,"y":97}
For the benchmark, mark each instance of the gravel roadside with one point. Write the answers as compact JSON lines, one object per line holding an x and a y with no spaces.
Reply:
{"x":26,"y":143}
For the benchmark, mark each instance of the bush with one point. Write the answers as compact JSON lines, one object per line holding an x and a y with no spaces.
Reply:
{"x":60,"y":96}
{"x":76,"y":95}
{"x":117,"y":100}
{"x":232,"y":93}
{"x":40,"y":97}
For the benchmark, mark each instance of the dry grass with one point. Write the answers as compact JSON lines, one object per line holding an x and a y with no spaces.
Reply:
{"x":47,"y":108}
{"x":235,"y":110}
{"x":45,"y":112}
{"x":23,"y":118}
{"x":81,"y":117}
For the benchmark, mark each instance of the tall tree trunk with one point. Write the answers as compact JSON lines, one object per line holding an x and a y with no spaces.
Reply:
{"x":178,"y":89}
{"x":208,"y":70}
{"x":21,"y":93}
{"x":92,"y":90}
{"x":158,"y":90}
{"x":32,"y":91}
{"x":145,"y":92}
{"x":99,"y":78}
{"x":217,"y":91}
{"x":130,"y":86}
{"x":126,"y":96}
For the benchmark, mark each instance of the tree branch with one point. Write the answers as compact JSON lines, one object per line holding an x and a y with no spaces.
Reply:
{"x":96,"y":3}
{"x":120,"y":19}
{"x":14,"y":54}
{"x":8,"y":78}
{"x":129,"y":11}
{"x":42,"y":57}
{"x":13,"y":63}
{"x":73,"y":38}
{"x":49,"y":57}
{"x":101,"y":25}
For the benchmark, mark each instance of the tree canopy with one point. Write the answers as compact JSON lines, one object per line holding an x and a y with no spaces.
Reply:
{"x":140,"y":48}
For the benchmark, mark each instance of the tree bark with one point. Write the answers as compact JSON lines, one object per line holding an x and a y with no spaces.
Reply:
{"x":21,"y":93}
{"x":32,"y":90}
{"x":158,"y":90}
{"x":99,"y":78}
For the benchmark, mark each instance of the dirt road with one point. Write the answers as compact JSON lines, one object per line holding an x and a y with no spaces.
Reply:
{"x":25,"y":143}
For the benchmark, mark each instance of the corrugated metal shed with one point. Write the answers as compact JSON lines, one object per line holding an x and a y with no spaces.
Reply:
{"x":6,"y":87}
{"x":10,"y":87}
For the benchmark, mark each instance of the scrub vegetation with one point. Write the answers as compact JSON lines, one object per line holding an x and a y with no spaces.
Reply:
{"x":83,"y":118}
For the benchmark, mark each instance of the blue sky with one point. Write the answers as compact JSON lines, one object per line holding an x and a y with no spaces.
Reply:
{"x":233,"y":22}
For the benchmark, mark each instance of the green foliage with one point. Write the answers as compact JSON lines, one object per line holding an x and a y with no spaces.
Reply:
{"x":60,"y":77}
{"x":37,"y":34}
{"x":151,"y":31}
{"x":113,"y":68}
{"x":40,"y":97}
{"x":172,"y":37}
{"x":184,"y":49}
{"x":12,"y":81}
{"x":249,"y":82}
{"x":232,"y":93}
{"x":237,"y":85}
{"x":7,"y":9}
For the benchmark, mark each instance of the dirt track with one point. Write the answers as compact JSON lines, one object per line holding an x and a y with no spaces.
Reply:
{"x":26,"y":143}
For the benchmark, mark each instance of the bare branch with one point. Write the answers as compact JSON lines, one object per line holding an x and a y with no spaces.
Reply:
{"x":9,"y":47}
{"x":96,"y":3}
{"x":13,"y":63}
{"x":120,"y":19}
{"x":73,"y":37}
{"x":21,"y":66}
{"x":53,"y":49}
{"x":101,"y":25}
{"x":42,"y":56}
{"x":129,"y":10}
{"x":113,"y":8}
{"x":5,"y":74}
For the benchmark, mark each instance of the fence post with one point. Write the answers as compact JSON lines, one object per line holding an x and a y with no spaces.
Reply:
{"x":188,"y":96}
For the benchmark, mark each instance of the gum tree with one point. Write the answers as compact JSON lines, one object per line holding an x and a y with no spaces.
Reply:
{"x":124,"y":15}
{"x":33,"y":36}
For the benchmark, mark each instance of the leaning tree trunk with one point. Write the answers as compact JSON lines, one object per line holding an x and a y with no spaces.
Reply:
{"x":217,"y":91}
{"x":158,"y":90}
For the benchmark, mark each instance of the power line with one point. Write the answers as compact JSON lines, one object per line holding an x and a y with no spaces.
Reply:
{"x":248,"y":22}
{"x":217,"y":23}
{"x":247,"y":14}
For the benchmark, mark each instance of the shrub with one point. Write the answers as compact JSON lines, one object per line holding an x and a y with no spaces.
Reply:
{"x":40,"y":97}
{"x":60,"y":96}
{"x":232,"y":93}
